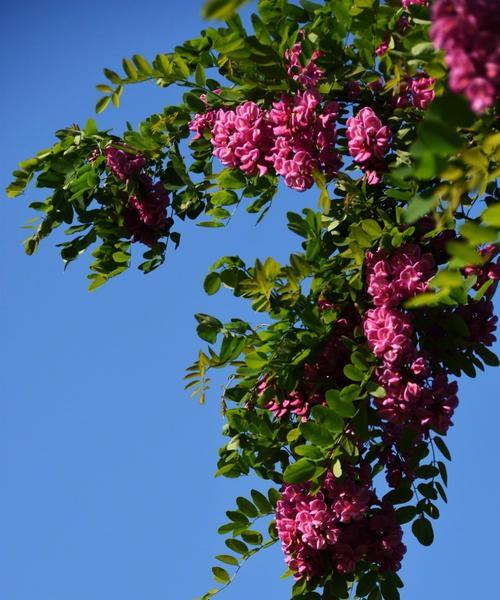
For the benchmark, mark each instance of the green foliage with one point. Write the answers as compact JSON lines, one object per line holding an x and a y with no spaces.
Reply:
{"x":440,"y":188}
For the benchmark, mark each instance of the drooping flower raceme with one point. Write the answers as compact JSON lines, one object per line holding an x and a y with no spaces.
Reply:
{"x":467,"y":31}
{"x":337,"y":527}
{"x":242,"y":138}
{"x":308,"y":75}
{"x":318,"y":375}
{"x":304,"y":135}
{"x":368,"y":142}
{"x":421,"y":91}
{"x":122,"y":163}
{"x":146,"y":214}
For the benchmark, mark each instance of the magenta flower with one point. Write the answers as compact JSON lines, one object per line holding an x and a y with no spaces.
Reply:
{"x":467,"y":32}
{"x":308,"y":75}
{"x":421,"y":91}
{"x":383,"y":47}
{"x":368,"y":142}
{"x":337,"y":527}
{"x":123,"y":164}
{"x":407,"y":3}
{"x":304,"y":138}
{"x":146,"y":214}
{"x":241,"y":138}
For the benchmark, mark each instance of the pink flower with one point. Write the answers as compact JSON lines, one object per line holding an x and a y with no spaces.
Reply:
{"x":146,"y":214}
{"x":407,"y":3}
{"x":338,"y":526}
{"x":123,"y":164}
{"x":368,"y":141}
{"x":467,"y":32}
{"x":241,"y":138}
{"x":422,"y":92}
{"x":389,"y":333}
{"x":308,"y":75}
{"x":383,"y":47}
{"x":304,"y":138}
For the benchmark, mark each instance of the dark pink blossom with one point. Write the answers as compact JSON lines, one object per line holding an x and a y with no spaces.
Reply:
{"x":407,"y":3}
{"x":202,"y":122}
{"x":421,"y":90}
{"x":122,"y":163}
{"x":368,"y":142}
{"x":308,"y":75}
{"x":467,"y":32}
{"x":393,"y":278}
{"x":383,"y":47}
{"x":146,"y":214}
{"x":304,"y":136}
{"x":242,"y":138}
{"x":338,"y":526}
{"x":389,"y":333}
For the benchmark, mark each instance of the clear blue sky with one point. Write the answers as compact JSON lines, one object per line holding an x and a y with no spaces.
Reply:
{"x":106,"y":464}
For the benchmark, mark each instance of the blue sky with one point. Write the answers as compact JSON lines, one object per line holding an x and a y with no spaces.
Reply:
{"x":106,"y":464}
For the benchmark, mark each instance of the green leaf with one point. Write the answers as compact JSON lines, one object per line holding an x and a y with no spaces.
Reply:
{"x":228,"y":559}
{"x":254,"y":538}
{"x":491,"y":215}
{"x":478,"y":234}
{"x":316,"y":434}
{"x":199,"y":75}
{"x":366,"y":583}
{"x":300,"y":471}
{"x":389,"y":590}
{"x":422,"y":530}
{"x":353,"y":373}
{"x":102,"y":104}
{"x":221,"y":9}
{"x":439,"y":138}
{"x":212,"y":283}
{"x":246,"y":507}
{"x":105,"y":89}
{"x":129,"y":68}
{"x":417,"y":208}
{"x":142,"y":64}
{"x":231,"y":178}
{"x":221,"y":575}
{"x":442,"y":447}
{"x":309,"y":451}
{"x":121,"y":257}
{"x":237,"y":546}
{"x":405,"y":514}
{"x":112,"y":76}
{"x":261,"y":502}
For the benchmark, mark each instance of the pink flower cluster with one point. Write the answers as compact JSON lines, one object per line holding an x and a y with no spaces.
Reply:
{"x":467,"y":31}
{"x":304,"y":135}
{"x":145,"y":216}
{"x":325,"y":372}
{"x":368,"y":142}
{"x":122,"y":163}
{"x":242,"y":138}
{"x":416,"y":395}
{"x":308,"y":75}
{"x":203,"y":121}
{"x":338,"y":527}
{"x":407,"y":3}
{"x":393,"y":278}
{"x":418,"y":92}
{"x":295,"y":138}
